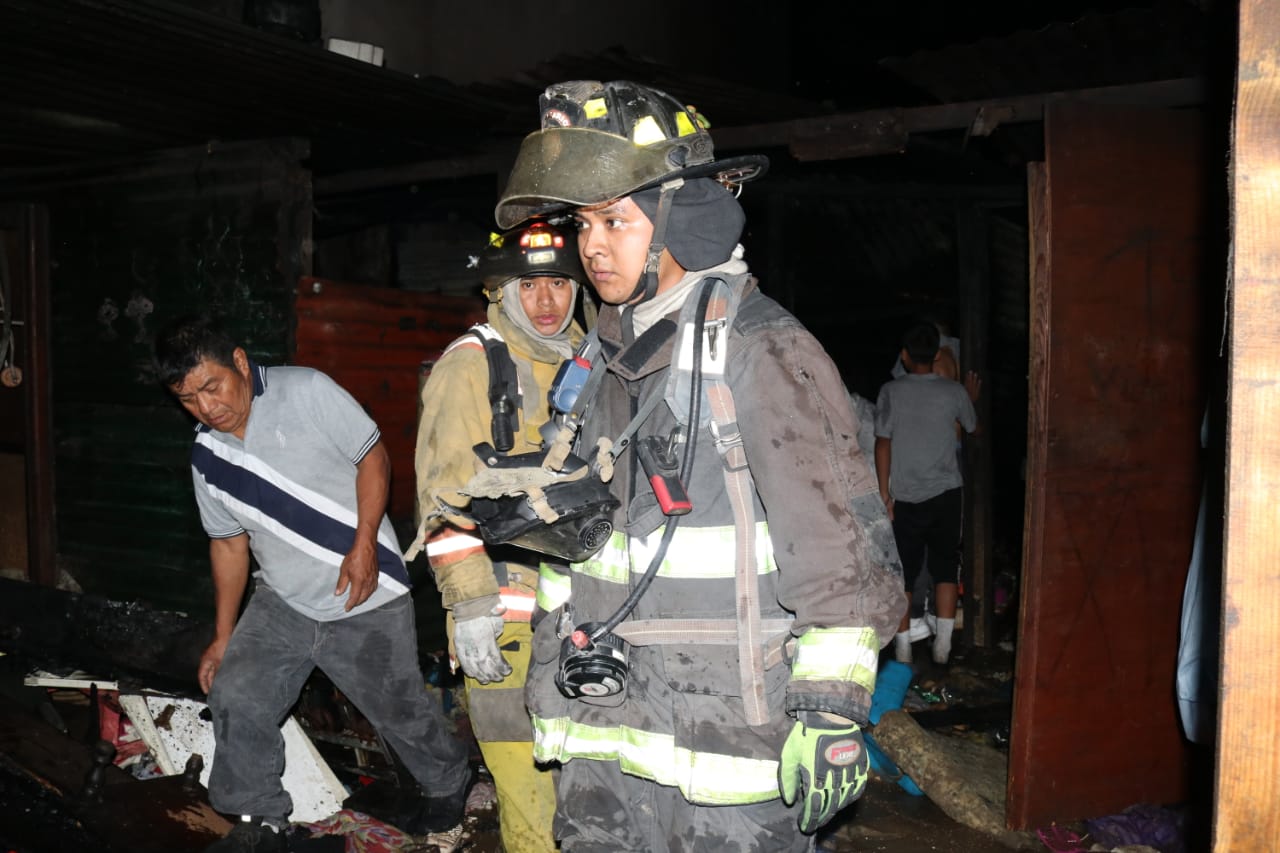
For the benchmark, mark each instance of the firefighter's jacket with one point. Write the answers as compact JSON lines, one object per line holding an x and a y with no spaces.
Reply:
{"x":456,"y":417}
{"x":825,"y":563}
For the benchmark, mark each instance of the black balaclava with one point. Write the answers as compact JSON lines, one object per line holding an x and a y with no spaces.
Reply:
{"x":705,"y":222}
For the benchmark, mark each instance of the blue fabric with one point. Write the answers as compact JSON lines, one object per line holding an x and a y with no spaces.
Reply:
{"x":891,"y":690}
{"x":1200,"y":645}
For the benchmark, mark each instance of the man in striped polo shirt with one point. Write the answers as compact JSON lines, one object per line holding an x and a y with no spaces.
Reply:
{"x":288,"y":468}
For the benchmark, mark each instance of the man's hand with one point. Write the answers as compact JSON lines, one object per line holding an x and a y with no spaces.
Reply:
{"x":209,"y":663}
{"x":824,"y":764}
{"x":973,"y":385}
{"x":477,"y":624}
{"x":359,"y":572}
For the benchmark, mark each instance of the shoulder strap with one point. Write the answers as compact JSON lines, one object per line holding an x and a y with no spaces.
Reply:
{"x":717,"y":322}
{"x":504,"y":387}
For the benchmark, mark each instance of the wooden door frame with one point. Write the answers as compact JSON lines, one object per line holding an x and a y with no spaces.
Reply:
{"x":42,"y":528}
{"x":1248,"y":756}
{"x":29,"y":274}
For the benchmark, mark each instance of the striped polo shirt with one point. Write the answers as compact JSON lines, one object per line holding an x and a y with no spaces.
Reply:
{"x":291,"y":485}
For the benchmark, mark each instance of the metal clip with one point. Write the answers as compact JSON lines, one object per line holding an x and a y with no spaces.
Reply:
{"x":565,"y":626}
{"x":713,"y":333}
{"x":674,"y":440}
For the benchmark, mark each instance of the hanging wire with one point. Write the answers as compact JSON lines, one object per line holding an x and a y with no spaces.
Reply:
{"x":6,"y":309}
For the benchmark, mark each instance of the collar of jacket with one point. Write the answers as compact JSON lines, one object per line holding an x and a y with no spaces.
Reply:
{"x":520,"y":341}
{"x":652,"y":351}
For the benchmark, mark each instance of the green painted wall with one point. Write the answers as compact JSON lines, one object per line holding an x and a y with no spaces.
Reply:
{"x":227,"y":232}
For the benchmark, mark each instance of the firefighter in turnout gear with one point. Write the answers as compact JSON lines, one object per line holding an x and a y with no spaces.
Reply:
{"x":702,"y":678}
{"x":490,"y":386}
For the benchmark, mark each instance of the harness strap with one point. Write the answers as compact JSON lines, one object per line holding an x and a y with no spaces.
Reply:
{"x":710,"y":632}
{"x":504,"y":387}
{"x":740,"y":490}
{"x":739,"y":487}
{"x":623,"y":439}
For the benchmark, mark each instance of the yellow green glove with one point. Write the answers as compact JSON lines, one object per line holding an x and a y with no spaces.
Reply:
{"x":824,"y":765}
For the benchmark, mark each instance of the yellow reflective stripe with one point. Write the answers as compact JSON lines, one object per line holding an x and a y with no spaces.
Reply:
{"x":696,"y":553}
{"x":707,"y":778}
{"x":684,"y":125}
{"x":553,"y":588}
{"x":609,"y":563}
{"x":837,"y":654}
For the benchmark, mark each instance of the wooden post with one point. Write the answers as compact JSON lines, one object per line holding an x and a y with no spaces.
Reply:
{"x":42,"y":541}
{"x":975,"y":310}
{"x":1248,"y":771}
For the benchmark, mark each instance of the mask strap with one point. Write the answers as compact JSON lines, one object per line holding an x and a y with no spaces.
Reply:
{"x":647,"y":287}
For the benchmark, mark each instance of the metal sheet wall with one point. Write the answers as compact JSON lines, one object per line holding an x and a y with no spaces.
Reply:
{"x":372,"y":341}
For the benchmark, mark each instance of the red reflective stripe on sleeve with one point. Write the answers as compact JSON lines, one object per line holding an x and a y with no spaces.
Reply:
{"x":519,"y":604}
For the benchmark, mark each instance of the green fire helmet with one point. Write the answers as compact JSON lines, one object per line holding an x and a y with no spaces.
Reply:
{"x":601,"y":141}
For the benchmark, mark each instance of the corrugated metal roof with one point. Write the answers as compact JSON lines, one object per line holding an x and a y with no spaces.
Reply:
{"x":92,"y":78}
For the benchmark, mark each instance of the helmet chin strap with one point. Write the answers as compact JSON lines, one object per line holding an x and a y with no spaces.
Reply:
{"x":647,"y":286}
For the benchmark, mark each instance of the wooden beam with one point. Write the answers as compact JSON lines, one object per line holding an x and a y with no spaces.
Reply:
{"x":1248,"y":756}
{"x":976,"y":195}
{"x":979,"y":117}
{"x":839,"y":136}
{"x":496,"y":161}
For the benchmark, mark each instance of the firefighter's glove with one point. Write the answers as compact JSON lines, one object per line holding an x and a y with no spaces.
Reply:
{"x":477,"y":624}
{"x":824,"y":766}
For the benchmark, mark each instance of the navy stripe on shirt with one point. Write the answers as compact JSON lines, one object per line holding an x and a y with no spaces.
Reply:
{"x":287,"y":510}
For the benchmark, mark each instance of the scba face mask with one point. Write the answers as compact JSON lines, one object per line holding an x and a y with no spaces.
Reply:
{"x":515,"y":501}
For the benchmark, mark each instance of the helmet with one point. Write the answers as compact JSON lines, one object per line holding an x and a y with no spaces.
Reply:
{"x":601,"y":141}
{"x":540,"y":248}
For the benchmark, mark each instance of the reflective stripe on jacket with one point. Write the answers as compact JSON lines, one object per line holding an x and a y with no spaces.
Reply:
{"x":703,"y":777}
{"x":822,"y":567}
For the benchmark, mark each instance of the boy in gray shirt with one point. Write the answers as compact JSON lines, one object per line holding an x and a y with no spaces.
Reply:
{"x":917,"y":421}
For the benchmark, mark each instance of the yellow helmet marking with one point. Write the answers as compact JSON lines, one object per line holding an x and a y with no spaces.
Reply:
{"x":684,"y":126}
{"x":647,"y":132}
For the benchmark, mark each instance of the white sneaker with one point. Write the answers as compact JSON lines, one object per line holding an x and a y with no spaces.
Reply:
{"x":919,"y":629}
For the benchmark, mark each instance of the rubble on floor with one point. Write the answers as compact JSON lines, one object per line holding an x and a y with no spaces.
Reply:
{"x":61,"y":789}
{"x":87,"y":764}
